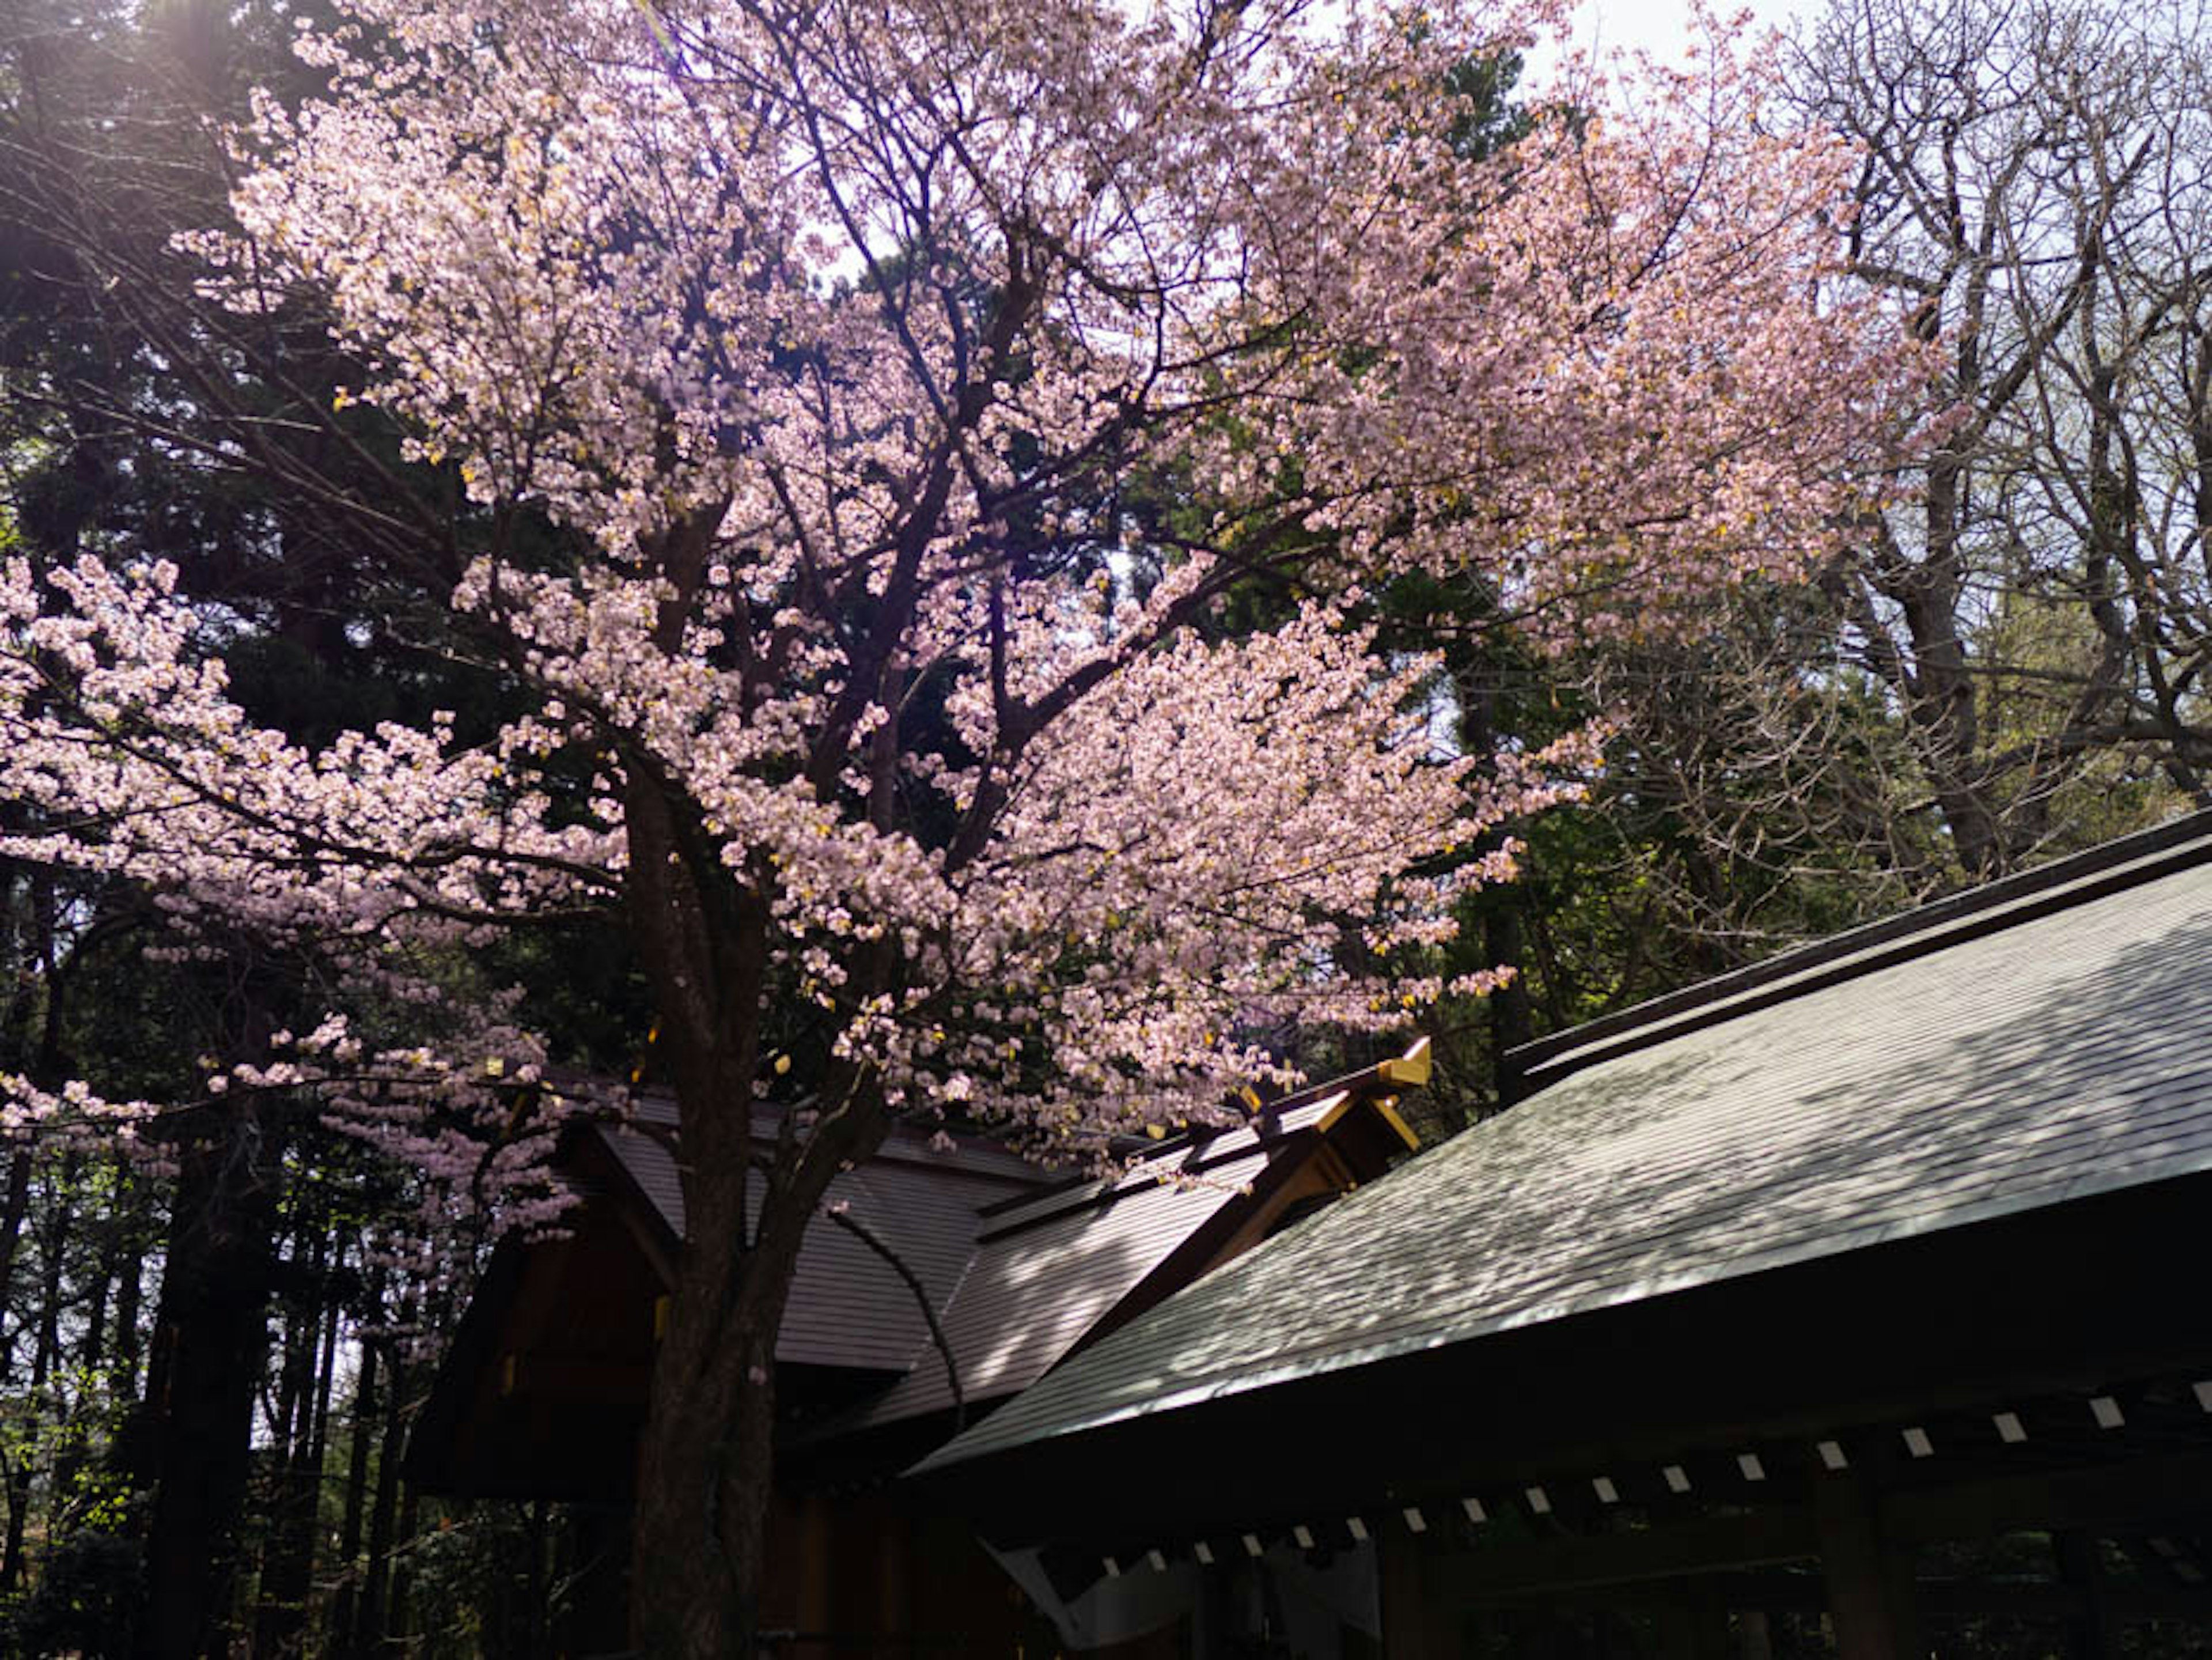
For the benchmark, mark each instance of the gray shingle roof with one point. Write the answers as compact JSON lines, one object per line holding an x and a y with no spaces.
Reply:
{"x":2024,"y":1057}
{"x":847,"y":1307}
{"x":1048,"y":1272}
{"x":1015,"y":1289}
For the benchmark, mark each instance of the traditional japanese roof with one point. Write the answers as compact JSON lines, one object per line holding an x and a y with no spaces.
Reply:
{"x":1047,"y":1271}
{"x":2041,"y":1041}
{"x":849,"y":1308}
{"x":1020,"y":1266}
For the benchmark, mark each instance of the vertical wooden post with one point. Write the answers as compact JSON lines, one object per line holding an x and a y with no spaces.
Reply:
{"x":894,"y":1593}
{"x":1413,"y":1626}
{"x":2091,"y":1636}
{"x":1870,"y":1593}
{"x":818,"y":1558}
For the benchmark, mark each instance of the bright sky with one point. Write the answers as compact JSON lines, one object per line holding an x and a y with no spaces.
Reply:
{"x":1662,"y":27}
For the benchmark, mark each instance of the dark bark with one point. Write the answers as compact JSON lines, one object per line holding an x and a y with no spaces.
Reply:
{"x":705,"y":1468}
{"x":209,"y":1341}
{"x":72,"y":1450}
{"x":706,"y":1464}
{"x":45,"y":1354}
{"x":293,"y":1366}
{"x":376,"y":1580}
{"x":399,"y":1610}
{"x":345,"y":1605}
{"x":537,"y":1612}
{"x":14,"y":1209}
{"x":705,"y":1478}
{"x":288,"y":1561}
{"x":13,"y":1480}
{"x":1511,"y":1019}
{"x":1510,"y":1012}
{"x":129,"y":1288}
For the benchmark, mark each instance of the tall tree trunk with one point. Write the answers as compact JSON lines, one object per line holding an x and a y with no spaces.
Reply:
{"x":706,"y":1463}
{"x":537,"y":1607}
{"x":1511,"y":1024}
{"x":92,"y":1349}
{"x":706,"y":1478}
{"x":376,"y":1582}
{"x":308,"y":1474}
{"x":291,"y":1398}
{"x":209,"y":1341}
{"x":130,"y":1289}
{"x":46,"y":1356}
{"x":400,"y":1619}
{"x":399,"y":1610}
{"x":288,"y":1557}
{"x":345,"y":1608}
{"x":14,"y":1208}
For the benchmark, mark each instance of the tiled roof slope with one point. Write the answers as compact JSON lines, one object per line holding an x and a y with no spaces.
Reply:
{"x":1019,"y":1267}
{"x":2066,"y":1051}
{"x":847,"y":1307}
{"x":1049,"y":1271}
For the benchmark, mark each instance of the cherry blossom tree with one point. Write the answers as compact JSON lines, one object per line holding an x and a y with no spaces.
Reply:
{"x":870,"y":408}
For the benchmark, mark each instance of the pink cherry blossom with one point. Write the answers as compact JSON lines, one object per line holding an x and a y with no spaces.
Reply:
{"x":850,"y":351}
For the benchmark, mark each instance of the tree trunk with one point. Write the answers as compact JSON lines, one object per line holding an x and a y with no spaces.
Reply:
{"x":308,"y":1492}
{"x":210,"y":1340}
{"x":707,"y":1464}
{"x":72,"y":1450}
{"x":705,"y":1477}
{"x":345,"y":1607}
{"x":707,"y":1461}
{"x":536,"y":1610}
{"x":288,"y":1557}
{"x":376,"y":1581}
{"x":283,"y":1438}
{"x":13,"y":1210}
{"x":1510,"y":1023}
{"x":46,"y":1353}
{"x":399,"y":1610}
{"x":129,"y":1288}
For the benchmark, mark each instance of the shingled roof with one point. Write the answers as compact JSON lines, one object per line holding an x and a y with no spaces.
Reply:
{"x":847,"y":1307}
{"x":1045,"y":1271}
{"x":1021,"y":1264}
{"x":2040,"y":1041}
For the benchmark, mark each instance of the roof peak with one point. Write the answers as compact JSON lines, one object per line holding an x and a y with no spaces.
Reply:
{"x":2062,"y":885}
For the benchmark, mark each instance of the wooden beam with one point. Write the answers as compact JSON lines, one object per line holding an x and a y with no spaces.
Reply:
{"x":600,"y":1382}
{"x":1779,"y":1591}
{"x":2104,"y":1498}
{"x":1410,"y":1070}
{"x":1494,"y":1574}
{"x":2114,"y":1498}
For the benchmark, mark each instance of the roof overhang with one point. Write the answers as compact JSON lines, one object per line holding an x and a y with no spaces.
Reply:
{"x":2065,"y":1298}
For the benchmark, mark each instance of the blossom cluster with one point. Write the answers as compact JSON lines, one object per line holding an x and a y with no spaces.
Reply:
{"x":853,"y":350}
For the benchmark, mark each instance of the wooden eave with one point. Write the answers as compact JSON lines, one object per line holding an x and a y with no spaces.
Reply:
{"x":2056,"y":1306}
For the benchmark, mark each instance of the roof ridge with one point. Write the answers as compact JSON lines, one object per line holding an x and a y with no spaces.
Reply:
{"x":2109,"y":868}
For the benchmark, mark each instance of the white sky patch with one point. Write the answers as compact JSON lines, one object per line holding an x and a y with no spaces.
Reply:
{"x":1662,"y":27}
